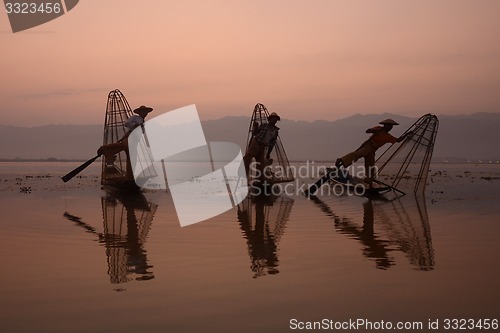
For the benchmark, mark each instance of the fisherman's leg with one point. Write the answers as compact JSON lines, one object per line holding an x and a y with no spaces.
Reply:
{"x":129,"y":173}
{"x":252,"y":152}
{"x":346,"y":160}
{"x":349,"y":159}
{"x":261,"y":161}
{"x":370,"y":168}
{"x":246,"y":162}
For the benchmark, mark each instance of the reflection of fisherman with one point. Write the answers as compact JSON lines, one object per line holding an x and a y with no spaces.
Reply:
{"x":110,"y":150}
{"x":264,"y":138}
{"x":261,"y":242}
{"x":137,"y":261}
{"x":380,"y":136}
{"x":126,"y":221}
{"x":374,"y":248}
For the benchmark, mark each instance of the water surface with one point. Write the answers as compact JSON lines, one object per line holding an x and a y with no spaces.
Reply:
{"x":77,"y":259}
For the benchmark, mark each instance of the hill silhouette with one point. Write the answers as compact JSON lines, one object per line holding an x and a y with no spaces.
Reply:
{"x":460,"y":137}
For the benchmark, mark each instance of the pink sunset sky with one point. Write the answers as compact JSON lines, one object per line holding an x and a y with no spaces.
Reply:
{"x":305,"y":60}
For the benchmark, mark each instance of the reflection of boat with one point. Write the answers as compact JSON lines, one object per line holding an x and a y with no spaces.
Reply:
{"x":126,"y":221}
{"x":397,"y":225}
{"x":263,"y":220}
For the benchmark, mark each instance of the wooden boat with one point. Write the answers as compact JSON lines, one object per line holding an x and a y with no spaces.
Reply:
{"x":357,"y":186}
{"x":349,"y":185}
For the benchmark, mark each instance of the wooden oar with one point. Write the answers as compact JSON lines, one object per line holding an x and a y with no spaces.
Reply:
{"x":79,"y":169}
{"x":330,"y":174}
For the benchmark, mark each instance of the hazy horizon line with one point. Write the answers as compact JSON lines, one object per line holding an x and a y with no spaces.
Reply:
{"x":283,"y":119}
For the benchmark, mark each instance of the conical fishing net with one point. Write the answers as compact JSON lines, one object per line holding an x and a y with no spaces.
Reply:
{"x":278,"y":170}
{"x":405,"y":165}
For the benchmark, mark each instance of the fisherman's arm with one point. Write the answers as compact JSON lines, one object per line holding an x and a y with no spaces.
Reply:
{"x":372,"y":130}
{"x":404,"y":136}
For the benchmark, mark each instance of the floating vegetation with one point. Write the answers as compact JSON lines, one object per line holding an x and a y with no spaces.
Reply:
{"x":25,"y":189}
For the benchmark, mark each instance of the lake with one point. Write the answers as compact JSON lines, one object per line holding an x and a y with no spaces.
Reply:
{"x":76,"y":258}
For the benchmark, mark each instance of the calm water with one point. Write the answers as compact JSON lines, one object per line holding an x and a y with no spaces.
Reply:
{"x":76,"y":259}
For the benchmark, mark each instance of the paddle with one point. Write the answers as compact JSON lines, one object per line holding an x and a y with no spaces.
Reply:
{"x":79,"y":169}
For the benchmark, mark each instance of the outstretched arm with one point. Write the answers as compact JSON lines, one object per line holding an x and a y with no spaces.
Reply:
{"x":404,"y":136}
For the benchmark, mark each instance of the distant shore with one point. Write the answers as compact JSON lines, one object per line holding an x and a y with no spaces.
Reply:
{"x":434,"y":162}
{"x":50,"y":159}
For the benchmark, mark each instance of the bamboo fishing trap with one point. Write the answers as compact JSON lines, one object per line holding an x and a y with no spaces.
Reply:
{"x":405,"y":166}
{"x":118,"y":110}
{"x":278,"y":168}
{"x":117,"y":169}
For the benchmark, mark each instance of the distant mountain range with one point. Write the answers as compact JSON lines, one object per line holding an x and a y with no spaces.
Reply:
{"x":460,"y":138}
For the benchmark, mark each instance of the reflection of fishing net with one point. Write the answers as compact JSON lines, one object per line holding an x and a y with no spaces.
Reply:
{"x":127,"y":221}
{"x":407,"y":226}
{"x":117,"y":112}
{"x":405,"y":165}
{"x":278,"y":170}
{"x":263,"y":220}
{"x":399,"y":225}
